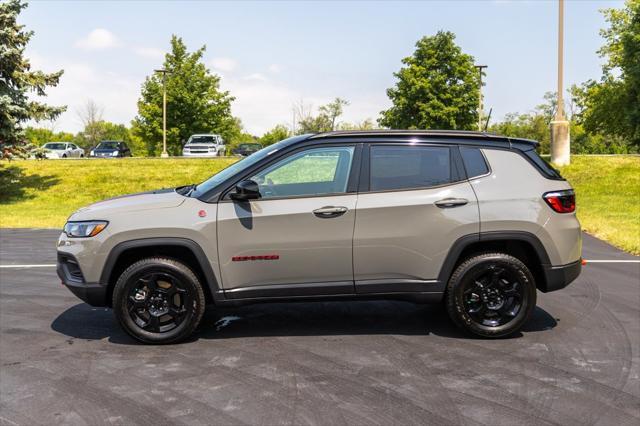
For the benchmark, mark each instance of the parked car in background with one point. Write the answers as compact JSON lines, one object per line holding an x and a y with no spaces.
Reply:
{"x":246,"y":149}
{"x":205,"y":145}
{"x":62,"y":150}
{"x":111,"y":149}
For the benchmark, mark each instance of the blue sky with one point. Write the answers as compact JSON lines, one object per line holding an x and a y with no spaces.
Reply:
{"x":272,"y":54}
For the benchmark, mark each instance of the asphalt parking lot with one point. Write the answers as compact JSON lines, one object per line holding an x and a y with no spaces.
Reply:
{"x":576,"y":362}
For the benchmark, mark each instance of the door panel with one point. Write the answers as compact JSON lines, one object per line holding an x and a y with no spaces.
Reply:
{"x":405,"y":236}
{"x":288,"y":242}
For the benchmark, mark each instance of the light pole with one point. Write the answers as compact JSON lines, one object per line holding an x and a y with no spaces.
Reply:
{"x":164,"y":113}
{"x":560,"y":138}
{"x":480,"y":68}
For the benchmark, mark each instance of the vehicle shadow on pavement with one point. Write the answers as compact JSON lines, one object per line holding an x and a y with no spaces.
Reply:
{"x":294,"y":319}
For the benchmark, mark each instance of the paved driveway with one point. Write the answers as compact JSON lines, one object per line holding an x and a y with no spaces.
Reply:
{"x":576,"y":362}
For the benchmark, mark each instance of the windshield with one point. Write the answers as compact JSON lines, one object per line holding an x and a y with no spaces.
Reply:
{"x":107,"y":145}
{"x":201,"y":139}
{"x":249,"y":145}
{"x":246,"y":162}
{"x":60,"y":146}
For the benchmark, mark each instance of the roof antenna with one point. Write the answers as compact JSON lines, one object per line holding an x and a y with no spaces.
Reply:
{"x":486,"y":124}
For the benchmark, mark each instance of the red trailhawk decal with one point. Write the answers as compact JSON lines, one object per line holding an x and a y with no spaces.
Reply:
{"x":260,"y":257}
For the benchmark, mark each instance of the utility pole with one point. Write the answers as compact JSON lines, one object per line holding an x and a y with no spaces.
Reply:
{"x":560,"y":138}
{"x":164,"y":113}
{"x":480,"y":68}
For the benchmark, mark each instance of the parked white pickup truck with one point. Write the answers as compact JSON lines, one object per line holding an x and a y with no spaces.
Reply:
{"x":205,"y":145}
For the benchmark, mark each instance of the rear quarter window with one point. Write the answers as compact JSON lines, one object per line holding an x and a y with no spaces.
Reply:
{"x":543,"y":167}
{"x":474,"y":162}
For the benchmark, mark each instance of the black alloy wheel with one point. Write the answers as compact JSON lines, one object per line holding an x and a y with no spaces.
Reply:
{"x":493,"y":296}
{"x":158,"y":300}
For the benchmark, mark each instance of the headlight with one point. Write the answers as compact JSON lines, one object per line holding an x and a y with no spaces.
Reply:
{"x":114,"y":154}
{"x":84,"y":229}
{"x":92,"y":153}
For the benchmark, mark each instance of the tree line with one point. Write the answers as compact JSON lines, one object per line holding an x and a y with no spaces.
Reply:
{"x":437,"y":87}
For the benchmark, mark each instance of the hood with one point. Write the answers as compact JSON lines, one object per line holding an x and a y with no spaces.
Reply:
{"x":160,"y":199}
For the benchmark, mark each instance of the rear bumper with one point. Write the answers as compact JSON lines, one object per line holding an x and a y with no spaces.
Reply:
{"x":558,"y":277}
{"x":69,"y":272}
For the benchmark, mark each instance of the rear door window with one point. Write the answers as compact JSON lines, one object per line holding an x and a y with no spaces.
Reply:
{"x":409,"y":167}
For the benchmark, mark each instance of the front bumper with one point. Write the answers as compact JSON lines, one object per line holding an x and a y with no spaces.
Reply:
{"x":103,"y":155}
{"x":200,"y":154}
{"x":68,"y":269}
{"x":558,"y":277}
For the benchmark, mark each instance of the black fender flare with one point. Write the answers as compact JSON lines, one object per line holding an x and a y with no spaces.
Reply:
{"x":201,"y":257}
{"x":463,"y":242}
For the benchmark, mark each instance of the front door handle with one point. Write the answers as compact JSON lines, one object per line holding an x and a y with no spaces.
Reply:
{"x":330,"y":211}
{"x":448,"y":203}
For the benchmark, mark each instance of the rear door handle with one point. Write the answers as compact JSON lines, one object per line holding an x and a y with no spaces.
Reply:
{"x":330,"y":211}
{"x":448,"y":203}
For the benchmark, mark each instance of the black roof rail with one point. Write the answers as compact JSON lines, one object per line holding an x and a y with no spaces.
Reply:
{"x":458,"y":134}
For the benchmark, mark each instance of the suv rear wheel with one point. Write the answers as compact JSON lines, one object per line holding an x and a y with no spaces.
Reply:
{"x":491,"y":295}
{"x":158,"y":300}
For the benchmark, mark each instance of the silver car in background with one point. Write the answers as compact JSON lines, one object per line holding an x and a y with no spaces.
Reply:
{"x":55,"y":150}
{"x":204,"y":145}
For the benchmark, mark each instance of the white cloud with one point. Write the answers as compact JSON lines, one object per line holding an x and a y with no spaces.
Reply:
{"x":275,"y":68}
{"x":117,"y":93}
{"x":255,"y":76}
{"x":261,"y":100}
{"x":223,"y":64}
{"x":149,"y":52}
{"x":98,"y":39}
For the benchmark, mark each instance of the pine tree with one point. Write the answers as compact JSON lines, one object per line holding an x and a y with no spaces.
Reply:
{"x":18,"y":81}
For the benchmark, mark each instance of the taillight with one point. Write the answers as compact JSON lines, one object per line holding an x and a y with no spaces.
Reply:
{"x":561,"y":201}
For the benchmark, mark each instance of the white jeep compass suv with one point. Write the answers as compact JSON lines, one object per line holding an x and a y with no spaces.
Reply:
{"x":476,"y":221}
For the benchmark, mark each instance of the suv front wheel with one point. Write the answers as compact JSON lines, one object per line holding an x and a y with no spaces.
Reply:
{"x":491,"y":295}
{"x":158,"y":300}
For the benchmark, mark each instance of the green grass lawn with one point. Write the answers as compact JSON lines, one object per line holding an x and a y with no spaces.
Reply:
{"x":42,"y":194}
{"x":608,"y":197}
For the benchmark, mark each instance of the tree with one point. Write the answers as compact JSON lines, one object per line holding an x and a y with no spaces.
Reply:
{"x":611,"y":106}
{"x":333,"y":110}
{"x":195,"y":103}
{"x":17,"y":81}
{"x":97,"y":131}
{"x":90,"y":114}
{"x":535,"y":125}
{"x":38,"y":136}
{"x":437,"y":88}
{"x":366,"y":124}
{"x":274,"y":135}
{"x":325,"y":121}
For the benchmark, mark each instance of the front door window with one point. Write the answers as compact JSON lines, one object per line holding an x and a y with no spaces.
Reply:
{"x":316,"y":171}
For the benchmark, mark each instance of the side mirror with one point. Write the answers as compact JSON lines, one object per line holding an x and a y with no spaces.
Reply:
{"x":246,"y":190}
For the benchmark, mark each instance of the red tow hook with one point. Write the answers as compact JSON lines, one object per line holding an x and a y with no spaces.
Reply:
{"x":583,"y":261}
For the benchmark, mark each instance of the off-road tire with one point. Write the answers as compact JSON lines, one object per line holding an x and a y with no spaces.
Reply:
{"x":460,"y":280}
{"x":188,"y":281}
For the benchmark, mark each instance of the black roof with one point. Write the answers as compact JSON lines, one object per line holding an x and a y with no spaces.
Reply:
{"x":471,"y":137}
